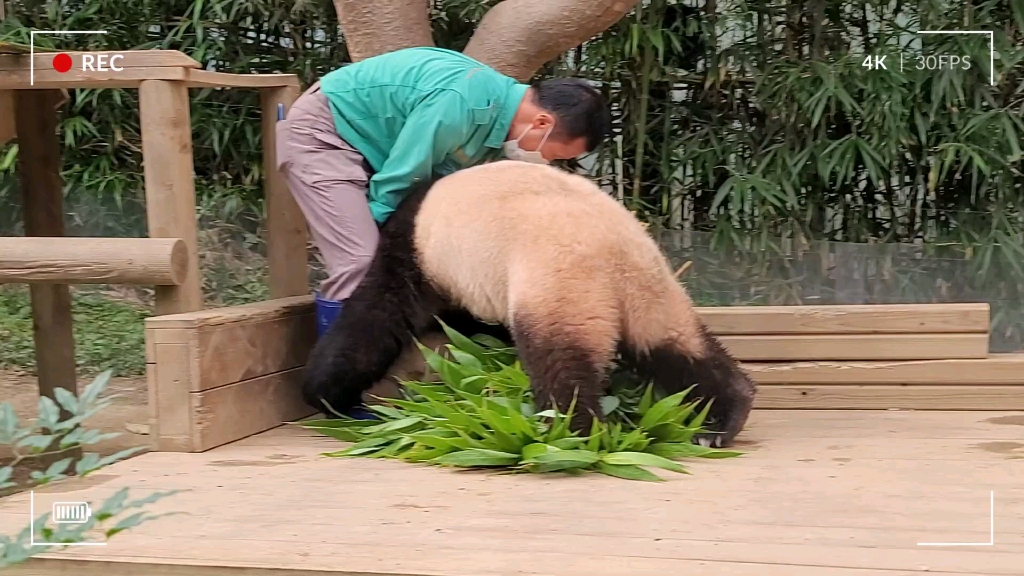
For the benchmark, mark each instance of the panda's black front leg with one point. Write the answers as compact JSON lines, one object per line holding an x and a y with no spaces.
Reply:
{"x":715,"y":376}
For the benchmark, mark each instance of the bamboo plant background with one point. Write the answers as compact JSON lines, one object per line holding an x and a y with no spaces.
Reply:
{"x":749,"y":134}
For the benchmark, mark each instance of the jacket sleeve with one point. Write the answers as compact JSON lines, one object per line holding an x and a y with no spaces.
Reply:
{"x":438,"y":126}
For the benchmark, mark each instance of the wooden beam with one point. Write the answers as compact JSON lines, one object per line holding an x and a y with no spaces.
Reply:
{"x":286,"y":226}
{"x":144,"y":261}
{"x":42,"y":190}
{"x":221,"y":374}
{"x":848,"y":319}
{"x":170,"y":184}
{"x":127,"y":59}
{"x":996,"y":369}
{"x":7,"y":130}
{"x":888,"y":397}
{"x":128,"y":78}
{"x":207,"y":79}
{"x":760,"y":348}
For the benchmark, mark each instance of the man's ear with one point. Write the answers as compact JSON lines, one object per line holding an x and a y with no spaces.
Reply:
{"x":543,"y":121}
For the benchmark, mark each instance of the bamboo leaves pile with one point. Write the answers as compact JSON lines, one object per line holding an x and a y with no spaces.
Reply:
{"x":478,"y":412}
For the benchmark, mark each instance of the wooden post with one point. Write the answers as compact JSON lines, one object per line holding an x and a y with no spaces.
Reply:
{"x":170,"y":184}
{"x":42,"y":190}
{"x":6,"y":115}
{"x":286,"y":227}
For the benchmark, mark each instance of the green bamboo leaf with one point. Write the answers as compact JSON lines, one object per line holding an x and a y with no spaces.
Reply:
{"x":627,"y":472}
{"x":661,"y":411}
{"x":466,"y":361}
{"x":392,"y":426}
{"x":642,"y":459}
{"x":343,"y":434}
{"x":675,"y":450}
{"x":646,"y":401}
{"x":609,"y":404}
{"x":562,"y":460}
{"x":464,"y":344}
{"x":478,"y":457}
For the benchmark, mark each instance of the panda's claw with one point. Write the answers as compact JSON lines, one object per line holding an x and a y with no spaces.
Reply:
{"x":709,"y":440}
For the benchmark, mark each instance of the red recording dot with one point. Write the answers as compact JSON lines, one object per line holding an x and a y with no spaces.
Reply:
{"x":62,"y":63}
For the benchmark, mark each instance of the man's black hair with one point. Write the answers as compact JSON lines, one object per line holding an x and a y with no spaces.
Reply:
{"x":580,"y":109}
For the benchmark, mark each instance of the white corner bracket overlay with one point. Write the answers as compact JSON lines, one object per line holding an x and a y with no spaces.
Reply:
{"x":64,"y":513}
{"x":991,"y":48}
{"x":991,"y":528}
{"x":32,"y":48}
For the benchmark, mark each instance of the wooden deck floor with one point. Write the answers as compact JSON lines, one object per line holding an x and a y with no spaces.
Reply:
{"x":820,"y":493}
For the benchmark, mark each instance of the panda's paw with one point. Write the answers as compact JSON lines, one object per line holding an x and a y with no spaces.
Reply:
{"x":709,"y":440}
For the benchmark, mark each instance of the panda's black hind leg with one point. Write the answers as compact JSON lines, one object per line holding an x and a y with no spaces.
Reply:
{"x":716,"y":377}
{"x":358,"y":349}
{"x":565,"y":361}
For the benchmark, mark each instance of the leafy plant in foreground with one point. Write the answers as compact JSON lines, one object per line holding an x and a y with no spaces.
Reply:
{"x":479,"y":412}
{"x":49,"y":435}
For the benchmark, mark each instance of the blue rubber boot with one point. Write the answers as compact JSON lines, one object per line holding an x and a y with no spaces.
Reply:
{"x":326,"y":312}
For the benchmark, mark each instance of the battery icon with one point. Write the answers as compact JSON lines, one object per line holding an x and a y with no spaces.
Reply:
{"x":71,"y":512}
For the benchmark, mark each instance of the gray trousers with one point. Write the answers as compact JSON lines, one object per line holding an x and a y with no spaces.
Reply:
{"x":328,"y":179}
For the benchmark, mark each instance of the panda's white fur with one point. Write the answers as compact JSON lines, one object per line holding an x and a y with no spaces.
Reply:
{"x":571,"y":273}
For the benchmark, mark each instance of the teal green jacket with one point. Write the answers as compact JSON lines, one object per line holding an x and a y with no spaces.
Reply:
{"x":420,"y":112}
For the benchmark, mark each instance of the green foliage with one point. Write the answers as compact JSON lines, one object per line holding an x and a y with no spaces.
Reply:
{"x":107,"y":332}
{"x":480,"y":412}
{"x":50,"y":435}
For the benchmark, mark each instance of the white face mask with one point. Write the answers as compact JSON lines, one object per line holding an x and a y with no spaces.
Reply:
{"x":514,"y":152}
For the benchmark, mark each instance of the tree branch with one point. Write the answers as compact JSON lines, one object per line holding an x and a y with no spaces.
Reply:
{"x":373,"y":27}
{"x":517,"y":37}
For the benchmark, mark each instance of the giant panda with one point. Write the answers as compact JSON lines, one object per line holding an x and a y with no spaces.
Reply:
{"x":548,"y":256}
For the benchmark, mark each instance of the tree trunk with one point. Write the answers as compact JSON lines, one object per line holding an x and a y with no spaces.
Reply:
{"x":517,"y":37}
{"x":373,"y":27}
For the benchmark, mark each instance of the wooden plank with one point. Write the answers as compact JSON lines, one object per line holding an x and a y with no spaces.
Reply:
{"x":248,"y":313}
{"x":127,"y":59}
{"x":170,"y":185}
{"x":857,"y":346}
{"x":236,"y":352}
{"x":885,"y":397}
{"x":238,"y":410}
{"x":128,"y":78}
{"x":996,"y":369}
{"x":286,"y":226}
{"x":847,"y":319}
{"x":207,"y":79}
{"x":7,"y":131}
{"x":147,"y":261}
{"x":42,"y":189}
{"x":170,"y":406}
{"x":248,"y":346}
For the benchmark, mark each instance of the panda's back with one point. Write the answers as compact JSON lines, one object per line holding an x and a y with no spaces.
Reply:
{"x":481,"y":228}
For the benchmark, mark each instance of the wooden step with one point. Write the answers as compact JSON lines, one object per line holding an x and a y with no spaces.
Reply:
{"x":847,"y":319}
{"x":889,"y":397}
{"x":996,"y":369}
{"x":993,"y":383}
{"x":795,"y":347}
